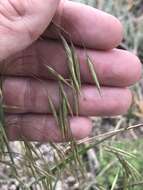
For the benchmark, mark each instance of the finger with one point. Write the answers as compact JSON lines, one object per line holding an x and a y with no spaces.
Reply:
{"x":111,"y":66}
{"x":43,"y":128}
{"x":22,"y":22}
{"x":31,"y":96}
{"x":87,"y":25}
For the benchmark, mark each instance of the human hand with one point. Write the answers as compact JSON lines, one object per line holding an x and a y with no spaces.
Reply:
{"x":22,"y":22}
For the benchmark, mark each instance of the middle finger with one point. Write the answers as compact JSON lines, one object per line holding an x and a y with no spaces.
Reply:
{"x":114,"y":68}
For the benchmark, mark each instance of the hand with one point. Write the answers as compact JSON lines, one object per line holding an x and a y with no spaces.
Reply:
{"x":22,"y":22}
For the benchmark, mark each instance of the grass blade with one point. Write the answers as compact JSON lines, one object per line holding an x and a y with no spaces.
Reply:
{"x":115,"y":180}
{"x":93,"y":73}
{"x":76,"y":64}
{"x":57,"y":75}
{"x":66,"y":98}
{"x":53,"y":110}
{"x":71,"y":65}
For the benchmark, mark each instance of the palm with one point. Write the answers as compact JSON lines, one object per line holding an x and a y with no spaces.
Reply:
{"x":100,"y":33}
{"x":19,"y":23}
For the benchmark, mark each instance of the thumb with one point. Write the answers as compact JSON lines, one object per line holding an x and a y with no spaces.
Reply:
{"x":22,"y":22}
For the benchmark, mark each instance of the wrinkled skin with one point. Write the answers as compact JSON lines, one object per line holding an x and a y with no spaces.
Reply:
{"x":21,"y":24}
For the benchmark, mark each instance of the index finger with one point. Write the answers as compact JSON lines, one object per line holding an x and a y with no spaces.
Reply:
{"x":87,"y":25}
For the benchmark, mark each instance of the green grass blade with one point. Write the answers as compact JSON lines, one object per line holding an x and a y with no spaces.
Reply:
{"x":66,"y":98}
{"x":93,"y":73}
{"x":76,"y":65}
{"x":115,"y":180}
{"x":119,"y":151}
{"x":71,"y":65}
{"x":53,"y":110}
{"x":57,"y":75}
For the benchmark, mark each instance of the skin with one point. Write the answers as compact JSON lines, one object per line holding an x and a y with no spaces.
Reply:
{"x":21,"y":24}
